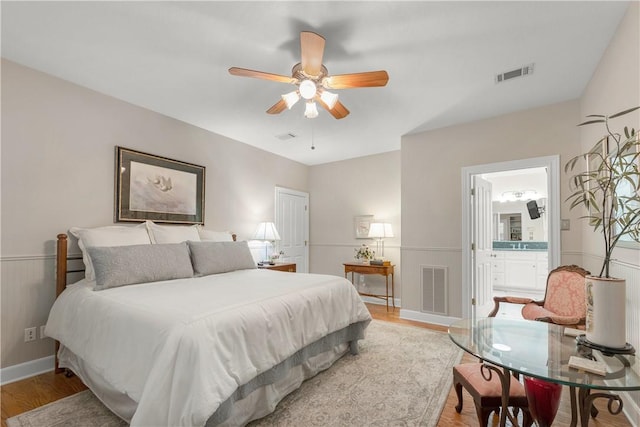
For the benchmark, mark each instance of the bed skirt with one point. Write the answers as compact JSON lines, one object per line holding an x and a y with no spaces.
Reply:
{"x":255,"y":399}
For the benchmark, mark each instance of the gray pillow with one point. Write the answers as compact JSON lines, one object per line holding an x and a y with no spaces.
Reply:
{"x":127,"y":265}
{"x":220,"y":257}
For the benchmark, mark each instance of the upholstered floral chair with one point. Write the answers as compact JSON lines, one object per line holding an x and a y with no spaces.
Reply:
{"x":564,"y":299}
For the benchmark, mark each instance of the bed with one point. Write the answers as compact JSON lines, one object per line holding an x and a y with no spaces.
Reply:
{"x":221,"y":346}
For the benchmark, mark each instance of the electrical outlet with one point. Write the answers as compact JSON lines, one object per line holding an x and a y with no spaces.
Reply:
{"x":30,"y":334}
{"x":42,"y":332}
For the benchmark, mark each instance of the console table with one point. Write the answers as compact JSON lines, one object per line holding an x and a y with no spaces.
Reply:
{"x":383,"y":270}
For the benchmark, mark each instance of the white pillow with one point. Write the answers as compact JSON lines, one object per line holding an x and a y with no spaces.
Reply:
{"x":172,"y":233}
{"x":114,"y":235}
{"x":214,"y":236}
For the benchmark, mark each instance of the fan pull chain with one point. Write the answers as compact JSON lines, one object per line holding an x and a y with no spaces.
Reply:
{"x":313,"y":147}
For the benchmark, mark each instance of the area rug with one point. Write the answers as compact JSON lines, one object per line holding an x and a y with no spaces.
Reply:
{"x":401,"y":377}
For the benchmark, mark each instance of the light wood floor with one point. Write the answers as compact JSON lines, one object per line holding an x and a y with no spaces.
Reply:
{"x":22,"y":396}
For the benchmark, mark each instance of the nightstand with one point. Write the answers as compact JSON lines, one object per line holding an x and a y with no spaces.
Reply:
{"x":290,"y":267}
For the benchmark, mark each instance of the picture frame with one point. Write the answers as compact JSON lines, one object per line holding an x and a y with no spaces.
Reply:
{"x":362,"y":223}
{"x":156,"y":188}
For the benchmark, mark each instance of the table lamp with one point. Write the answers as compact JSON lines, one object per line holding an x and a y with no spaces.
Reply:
{"x":380,"y":230}
{"x":266,"y":232}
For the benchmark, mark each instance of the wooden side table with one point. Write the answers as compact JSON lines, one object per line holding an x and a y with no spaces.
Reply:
{"x":290,"y":267}
{"x":383,"y":270}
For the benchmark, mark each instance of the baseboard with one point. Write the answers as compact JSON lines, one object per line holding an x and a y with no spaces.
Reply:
{"x":419,"y":316}
{"x":630,"y":409}
{"x":378,"y":301}
{"x":26,"y":370}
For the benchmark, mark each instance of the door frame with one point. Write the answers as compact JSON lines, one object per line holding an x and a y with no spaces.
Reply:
{"x":277,"y":214}
{"x":552,"y":163}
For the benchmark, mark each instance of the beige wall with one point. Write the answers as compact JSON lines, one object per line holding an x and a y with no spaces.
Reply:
{"x":614,"y":87}
{"x":341,"y":190}
{"x":58,"y":170}
{"x":431,"y":185}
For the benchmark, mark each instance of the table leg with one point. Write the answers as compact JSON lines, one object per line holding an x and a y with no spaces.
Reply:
{"x":574,"y":410}
{"x":585,"y":402}
{"x":393,"y":293}
{"x":387,"y":291}
{"x":505,"y":381}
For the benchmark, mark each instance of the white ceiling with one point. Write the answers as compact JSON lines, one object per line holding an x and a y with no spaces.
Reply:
{"x":442,"y":57}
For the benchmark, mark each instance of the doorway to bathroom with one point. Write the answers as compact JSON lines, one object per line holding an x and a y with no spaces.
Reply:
{"x":511,"y":237}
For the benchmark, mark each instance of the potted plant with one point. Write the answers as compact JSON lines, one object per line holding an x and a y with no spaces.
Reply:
{"x":364,"y":254}
{"x":608,"y":188}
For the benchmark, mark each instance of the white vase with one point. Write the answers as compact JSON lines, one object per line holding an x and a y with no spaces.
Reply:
{"x":365,"y":262}
{"x":606,"y":317}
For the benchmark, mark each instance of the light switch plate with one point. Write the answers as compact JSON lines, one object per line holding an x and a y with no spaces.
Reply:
{"x":565,"y":224}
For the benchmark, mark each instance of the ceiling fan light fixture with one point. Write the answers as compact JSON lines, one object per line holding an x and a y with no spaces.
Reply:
{"x":311,"y":110}
{"x":329,"y":98}
{"x":308,"y":89}
{"x":291,"y":98}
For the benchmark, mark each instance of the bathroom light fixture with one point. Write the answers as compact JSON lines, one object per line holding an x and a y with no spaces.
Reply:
{"x":512,"y":196}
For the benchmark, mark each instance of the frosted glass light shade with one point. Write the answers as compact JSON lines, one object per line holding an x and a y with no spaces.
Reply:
{"x":307,"y":89}
{"x":291,"y":98}
{"x":329,"y":98}
{"x":311,"y":110}
{"x":266,"y":231}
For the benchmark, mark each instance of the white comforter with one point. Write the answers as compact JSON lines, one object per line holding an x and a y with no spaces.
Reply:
{"x":180,"y":348}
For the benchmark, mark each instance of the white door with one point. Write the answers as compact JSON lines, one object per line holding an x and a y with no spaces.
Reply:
{"x":292,"y":222}
{"x":482,"y":241}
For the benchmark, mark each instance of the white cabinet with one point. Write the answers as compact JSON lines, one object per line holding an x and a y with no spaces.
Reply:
{"x":542,"y":270}
{"x":497,"y":269}
{"x":519,"y":270}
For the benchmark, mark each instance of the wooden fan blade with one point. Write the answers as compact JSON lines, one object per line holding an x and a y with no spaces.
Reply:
{"x":311,"y":51}
{"x":243,"y":72}
{"x":346,"y":81}
{"x":339,"y":111}
{"x":278,"y":107}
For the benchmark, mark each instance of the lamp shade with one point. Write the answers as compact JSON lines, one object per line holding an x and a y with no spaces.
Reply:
{"x":266,"y":231}
{"x":329,"y":98}
{"x":380,"y":230}
{"x":311,"y":111}
{"x":291,"y":98}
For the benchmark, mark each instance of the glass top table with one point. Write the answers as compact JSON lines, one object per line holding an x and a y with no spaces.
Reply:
{"x":542,"y":350}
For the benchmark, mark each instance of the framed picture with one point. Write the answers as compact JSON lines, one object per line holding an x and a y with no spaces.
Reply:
{"x":362,"y":224}
{"x":149,"y":187}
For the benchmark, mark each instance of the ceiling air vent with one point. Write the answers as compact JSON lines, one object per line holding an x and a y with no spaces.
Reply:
{"x":286,"y":136}
{"x":520,"y":72}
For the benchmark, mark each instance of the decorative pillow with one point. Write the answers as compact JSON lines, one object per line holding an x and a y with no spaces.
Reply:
{"x":220,"y":257}
{"x":127,"y":265}
{"x":172,"y":233}
{"x":113,"y":235}
{"x":215,"y":236}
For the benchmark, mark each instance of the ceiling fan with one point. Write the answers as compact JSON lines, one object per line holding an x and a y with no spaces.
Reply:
{"x":312,"y":80}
